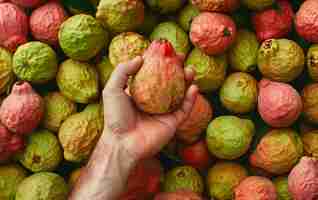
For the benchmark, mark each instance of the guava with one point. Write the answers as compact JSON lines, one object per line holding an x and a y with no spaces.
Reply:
{"x":80,"y":132}
{"x":223,"y":177}
{"x":57,"y":109}
{"x":172,"y":32}
{"x":310,"y":102}
{"x":43,"y":152}
{"x":120,"y":15}
{"x":243,"y":53}
{"x":150,"y":22}
{"x":165,"y":6}
{"x":210,"y":71}
{"x":74,"y":176}
{"x":281,"y":185}
{"x":126,"y":46}
{"x":105,"y":69}
{"x":281,"y":60}
{"x":239,"y":93}
{"x":216,"y":5}
{"x":11,"y":176}
{"x":28,"y":3}
{"x":312,"y":62}
{"x":81,"y":37}
{"x":186,"y":16}
{"x":229,"y":137}
{"x":278,"y":151}
{"x":310,"y":142}
{"x":43,"y":185}
{"x":7,"y":76}
{"x":183,"y":177}
{"x":78,"y":81}
{"x":35,"y":62}
{"x":180,"y":194}
{"x":258,"y":4}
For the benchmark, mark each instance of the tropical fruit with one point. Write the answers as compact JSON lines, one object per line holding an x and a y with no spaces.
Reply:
{"x":161,"y":64}
{"x":281,"y":184}
{"x":216,"y":5}
{"x":28,"y":3}
{"x":310,"y":142}
{"x":258,"y":4}
{"x":105,"y":69}
{"x":150,"y":22}
{"x":7,"y":76}
{"x":310,"y":103}
{"x":165,"y":6}
{"x":180,"y":194}
{"x":74,"y":176}
{"x":186,"y":16}
{"x":312,"y":62}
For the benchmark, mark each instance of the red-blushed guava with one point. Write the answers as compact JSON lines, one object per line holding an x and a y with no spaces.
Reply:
{"x":213,"y":33}
{"x":165,"y":6}
{"x":312,"y":62}
{"x":28,"y":3}
{"x":104,"y":69}
{"x":178,"y":195}
{"x":7,"y":76}
{"x":310,"y":142}
{"x":216,"y":5}
{"x":281,"y":185}
{"x":258,"y":4}
{"x":310,"y":102}
{"x":186,"y":16}
{"x":278,"y":151}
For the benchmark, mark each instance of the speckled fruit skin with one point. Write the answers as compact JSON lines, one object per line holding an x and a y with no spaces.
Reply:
{"x":274,"y":22}
{"x":172,"y":32}
{"x":104,"y":69}
{"x":310,"y":101}
{"x":22,"y":110}
{"x":229,"y":137}
{"x":35,"y":62}
{"x":28,"y":3}
{"x":210,"y":71}
{"x":278,"y":151}
{"x":183,"y":178}
{"x":279,"y":104}
{"x":281,"y":59}
{"x":258,"y":4}
{"x":255,"y":187}
{"x":57,"y":109}
{"x":281,"y":185}
{"x":310,"y":142}
{"x":120,"y":15}
{"x":213,"y":33}
{"x":198,"y":120}
{"x":45,"y":22}
{"x":42,"y":153}
{"x":243,"y":53}
{"x":312,"y":62}
{"x":178,"y":195}
{"x":223,"y":177}
{"x":303,"y":180}
{"x":80,"y":132}
{"x":11,"y":176}
{"x":196,"y":155}
{"x":7,"y":76}
{"x":14,"y":26}
{"x":78,"y":81}
{"x":144,"y":180}
{"x":165,"y":6}
{"x":126,"y":46}
{"x":306,"y":21}
{"x":239,"y":93}
{"x":186,"y":16}
{"x":81,"y":37}
{"x":43,"y":185}
{"x":161,"y":63}
{"x":216,"y":5}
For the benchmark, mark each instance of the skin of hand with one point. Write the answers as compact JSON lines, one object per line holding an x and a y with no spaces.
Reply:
{"x":129,"y":136}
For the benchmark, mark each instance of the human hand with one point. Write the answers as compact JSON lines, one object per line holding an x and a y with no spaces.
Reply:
{"x":141,"y":134}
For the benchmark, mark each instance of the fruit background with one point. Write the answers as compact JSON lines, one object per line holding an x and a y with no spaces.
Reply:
{"x":252,"y":133}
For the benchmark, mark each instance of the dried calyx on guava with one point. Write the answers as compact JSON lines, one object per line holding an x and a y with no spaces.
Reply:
{"x":6,"y":70}
{"x":186,"y":16}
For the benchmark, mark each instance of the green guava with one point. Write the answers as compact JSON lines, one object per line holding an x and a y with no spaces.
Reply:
{"x":43,"y":185}
{"x":78,"y":81}
{"x":81,"y":37}
{"x":172,"y":32}
{"x":126,"y":46}
{"x":183,"y":178}
{"x":243,"y":53}
{"x":210,"y":71}
{"x":42,"y":153}
{"x":281,"y":185}
{"x":310,"y":142}
{"x":57,"y":109}
{"x":229,"y":137}
{"x":7,"y":76}
{"x":186,"y":16}
{"x":80,"y":132}
{"x":281,"y":60}
{"x":223,"y":177}
{"x":312,"y":62}
{"x":120,"y":15}
{"x":239,"y":93}
{"x":105,"y":69}
{"x":150,"y":22}
{"x":258,"y":4}
{"x":165,"y":6}
{"x":11,"y":176}
{"x":35,"y":62}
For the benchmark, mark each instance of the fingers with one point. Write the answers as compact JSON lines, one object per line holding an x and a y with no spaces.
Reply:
{"x":119,"y":77}
{"x":188,"y":103}
{"x":189,"y":76}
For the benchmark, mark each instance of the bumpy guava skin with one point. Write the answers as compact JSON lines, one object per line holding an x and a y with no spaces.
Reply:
{"x":186,"y":16}
{"x":281,"y":185}
{"x":310,"y":141}
{"x":312,"y":62}
{"x":310,"y":101}
{"x":7,"y":76}
{"x":216,"y":5}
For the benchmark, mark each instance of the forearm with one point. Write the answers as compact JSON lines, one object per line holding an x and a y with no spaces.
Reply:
{"x":106,"y":173}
